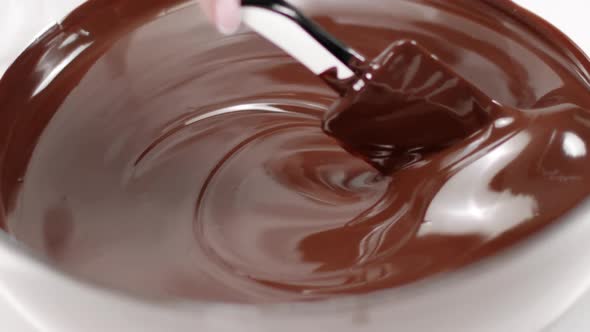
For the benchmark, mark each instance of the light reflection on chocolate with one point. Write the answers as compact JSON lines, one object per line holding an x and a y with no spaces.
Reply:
{"x":160,"y":159}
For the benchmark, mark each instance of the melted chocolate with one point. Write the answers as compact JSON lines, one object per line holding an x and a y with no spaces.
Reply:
{"x":141,"y":151}
{"x":405,"y":104}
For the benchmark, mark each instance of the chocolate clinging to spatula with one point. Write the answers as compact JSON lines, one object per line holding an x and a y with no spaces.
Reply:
{"x":393,"y":109}
{"x":404,"y":104}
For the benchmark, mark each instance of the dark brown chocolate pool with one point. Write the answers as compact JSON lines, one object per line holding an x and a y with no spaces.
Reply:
{"x":141,"y":151}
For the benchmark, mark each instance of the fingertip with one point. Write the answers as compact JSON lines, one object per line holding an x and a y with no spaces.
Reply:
{"x":227,"y":16}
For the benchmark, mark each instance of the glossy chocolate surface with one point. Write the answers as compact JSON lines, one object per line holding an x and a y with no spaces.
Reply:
{"x":139,"y":150}
{"x":402,"y":105}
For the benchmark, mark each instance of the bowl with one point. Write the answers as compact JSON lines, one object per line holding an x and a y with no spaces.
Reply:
{"x":34,"y":296}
